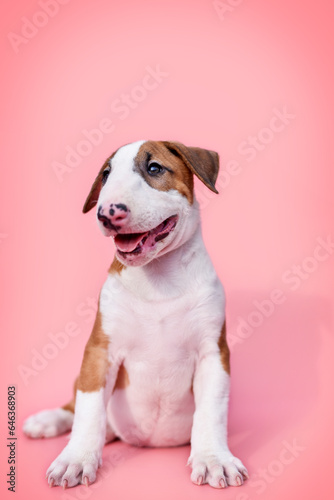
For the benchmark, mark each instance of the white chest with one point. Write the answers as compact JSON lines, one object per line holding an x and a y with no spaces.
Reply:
{"x":156,"y":321}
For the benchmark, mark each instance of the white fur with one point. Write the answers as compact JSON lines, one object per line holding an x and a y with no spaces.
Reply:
{"x":82,"y":455}
{"x":148,"y":206}
{"x":158,"y":319}
{"x":164,"y":320}
{"x":48,"y":423}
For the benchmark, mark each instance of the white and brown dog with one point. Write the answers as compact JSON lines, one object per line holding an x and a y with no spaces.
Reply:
{"x":155,"y":371}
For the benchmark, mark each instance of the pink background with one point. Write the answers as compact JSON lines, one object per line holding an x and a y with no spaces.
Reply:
{"x":226,"y":75}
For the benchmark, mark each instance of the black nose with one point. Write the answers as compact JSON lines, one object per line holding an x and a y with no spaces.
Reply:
{"x":113,"y":216}
{"x":105,"y":220}
{"x":118,"y":209}
{"x":121,"y":206}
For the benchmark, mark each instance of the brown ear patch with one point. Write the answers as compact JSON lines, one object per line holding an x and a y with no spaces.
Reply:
{"x":176,"y":175}
{"x":224,"y":350}
{"x":95,"y":364}
{"x":201,"y":162}
{"x":94,"y":193}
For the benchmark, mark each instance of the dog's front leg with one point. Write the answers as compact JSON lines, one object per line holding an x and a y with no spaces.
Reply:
{"x":210,"y":458}
{"x":79,"y":460}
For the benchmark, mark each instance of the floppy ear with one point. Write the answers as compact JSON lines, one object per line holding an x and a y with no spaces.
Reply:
{"x":95,"y":189}
{"x":202,"y":162}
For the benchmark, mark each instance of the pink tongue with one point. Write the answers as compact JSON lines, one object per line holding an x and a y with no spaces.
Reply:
{"x":128,"y":242}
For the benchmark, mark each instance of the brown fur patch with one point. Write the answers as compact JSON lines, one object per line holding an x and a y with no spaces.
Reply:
{"x":201,"y":162}
{"x":122,"y":380}
{"x":176,"y":176}
{"x":224,"y":350}
{"x":116,"y":267}
{"x":71,"y":405}
{"x":95,"y":362}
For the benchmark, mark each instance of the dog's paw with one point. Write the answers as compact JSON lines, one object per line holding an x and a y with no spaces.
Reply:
{"x":219,"y":470}
{"x":48,"y":423}
{"x":73,"y":467}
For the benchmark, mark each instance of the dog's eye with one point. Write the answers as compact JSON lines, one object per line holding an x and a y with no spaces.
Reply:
{"x":105,"y":175}
{"x":154,"y":168}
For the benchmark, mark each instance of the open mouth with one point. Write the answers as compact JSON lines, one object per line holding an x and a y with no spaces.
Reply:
{"x":135,"y":243}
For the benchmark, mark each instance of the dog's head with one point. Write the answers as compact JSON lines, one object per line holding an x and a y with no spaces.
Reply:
{"x":145,"y":197}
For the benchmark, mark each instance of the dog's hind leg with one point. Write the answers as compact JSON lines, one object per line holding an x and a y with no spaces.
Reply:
{"x":51,"y":423}
{"x":48,"y":423}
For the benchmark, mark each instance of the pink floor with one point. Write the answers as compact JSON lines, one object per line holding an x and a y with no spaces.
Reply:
{"x":252,"y":80}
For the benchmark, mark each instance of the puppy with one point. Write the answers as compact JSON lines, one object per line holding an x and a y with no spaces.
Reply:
{"x":155,"y":370}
